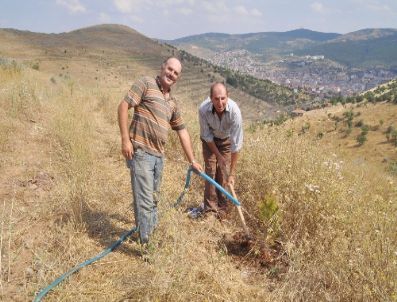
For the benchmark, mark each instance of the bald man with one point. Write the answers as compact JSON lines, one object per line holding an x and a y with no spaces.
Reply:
{"x":221,"y":133}
{"x":142,"y":144}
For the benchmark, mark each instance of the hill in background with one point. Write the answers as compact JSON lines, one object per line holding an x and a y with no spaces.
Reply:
{"x":375,"y":47}
{"x":319,"y":62}
{"x":119,"y":54}
{"x":266,"y":44}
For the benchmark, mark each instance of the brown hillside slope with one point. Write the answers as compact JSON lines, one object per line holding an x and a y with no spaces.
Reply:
{"x":116,"y":54}
{"x":323,"y":227}
{"x":330,"y":127}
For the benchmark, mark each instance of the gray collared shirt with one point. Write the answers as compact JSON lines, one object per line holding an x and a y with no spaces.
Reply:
{"x":230,"y":125}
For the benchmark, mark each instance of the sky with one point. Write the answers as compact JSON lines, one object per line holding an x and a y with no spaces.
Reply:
{"x":171,"y":19}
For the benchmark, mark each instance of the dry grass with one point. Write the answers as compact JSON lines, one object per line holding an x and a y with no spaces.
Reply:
{"x":376,"y":151}
{"x":336,"y":221}
{"x":67,"y":197}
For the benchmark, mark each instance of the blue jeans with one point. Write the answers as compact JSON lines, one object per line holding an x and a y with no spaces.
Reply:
{"x":146,"y":172}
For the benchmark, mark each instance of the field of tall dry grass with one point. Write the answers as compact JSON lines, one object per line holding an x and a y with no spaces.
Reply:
{"x":323,"y":228}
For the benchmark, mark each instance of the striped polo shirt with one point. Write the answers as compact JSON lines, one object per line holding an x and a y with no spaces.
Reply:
{"x":153,"y":115}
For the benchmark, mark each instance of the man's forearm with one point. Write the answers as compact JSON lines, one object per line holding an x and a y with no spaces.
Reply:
{"x":186,"y":144}
{"x":214,"y":149}
{"x":123,"y":120}
{"x":233,"y":163}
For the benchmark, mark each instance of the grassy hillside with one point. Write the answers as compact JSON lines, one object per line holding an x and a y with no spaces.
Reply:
{"x":116,"y":55}
{"x":323,"y":226}
{"x":386,"y":92}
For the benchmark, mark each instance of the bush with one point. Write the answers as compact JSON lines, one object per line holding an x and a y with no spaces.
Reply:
{"x":232,"y":81}
{"x":280,"y":119}
{"x":393,"y":168}
{"x":389,"y":132}
{"x":365,"y":129}
{"x":360,"y":123}
{"x":361,"y":138}
{"x":349,"y":118}
{"x":36,"y":66}
{"x":305,"y":128}
{"x":268,"y":207}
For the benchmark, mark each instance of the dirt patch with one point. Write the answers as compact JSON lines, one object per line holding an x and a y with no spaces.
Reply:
{"x":248,"y":251}
{"x":42,"y":180}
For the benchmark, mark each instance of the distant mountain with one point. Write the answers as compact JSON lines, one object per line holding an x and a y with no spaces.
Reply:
{"x":108,"y":36}
{"x":363,"y":48}
{"x":259,"y":43}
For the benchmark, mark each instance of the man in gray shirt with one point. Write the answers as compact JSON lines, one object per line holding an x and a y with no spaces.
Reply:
{"x":221,"y":134}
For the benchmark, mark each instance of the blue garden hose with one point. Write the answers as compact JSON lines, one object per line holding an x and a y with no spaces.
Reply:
{"x":219,"y":187}
{"x":210,"y":180}
{"x":123,"y":237}
{"x":44,"y":291}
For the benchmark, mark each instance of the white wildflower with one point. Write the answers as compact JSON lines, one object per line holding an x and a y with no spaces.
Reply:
{"x":313,"y":188}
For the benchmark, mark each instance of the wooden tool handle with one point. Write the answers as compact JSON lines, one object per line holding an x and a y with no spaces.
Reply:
{"x":240,"y":212}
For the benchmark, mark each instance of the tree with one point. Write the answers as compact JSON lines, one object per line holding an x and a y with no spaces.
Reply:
{"x":231,"y":80}
{"x":349,"y":118}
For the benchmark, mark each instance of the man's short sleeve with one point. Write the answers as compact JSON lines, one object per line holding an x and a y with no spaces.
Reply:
{"x":205,"y":132}
{"x":176,"y":121}
{"x":236,"y":131}
{"x":136,"y":92}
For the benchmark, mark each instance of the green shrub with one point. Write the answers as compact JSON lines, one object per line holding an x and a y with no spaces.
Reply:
{"x":305,"y":128}
{"x":348,"y":118}
{"x":393,"y":168}
{"x":268,"y":206}
{"x":361,"y":138}
{"x":364,"y":129}
{"x":36,"y":66}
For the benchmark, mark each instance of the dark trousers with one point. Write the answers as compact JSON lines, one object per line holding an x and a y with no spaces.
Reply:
{"x":213,"y":198}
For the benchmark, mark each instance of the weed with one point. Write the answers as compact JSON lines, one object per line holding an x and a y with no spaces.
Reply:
{"x":393,"y":168}
{"x":361,"y":138}
{"x":268,"y":207}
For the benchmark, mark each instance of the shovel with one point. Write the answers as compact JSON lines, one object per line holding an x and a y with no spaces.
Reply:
{"x":240,"y":212}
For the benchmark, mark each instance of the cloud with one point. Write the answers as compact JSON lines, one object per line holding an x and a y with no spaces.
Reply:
{"x":185,"y":11}
{"x":243,"y":11}
{"x":219,"y":8}
{"x":317,"y":7}
{"x":127,"y":6}
{"x":175,"y":2}
{"x":74,"y":6}
{"x":215,"y":7}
